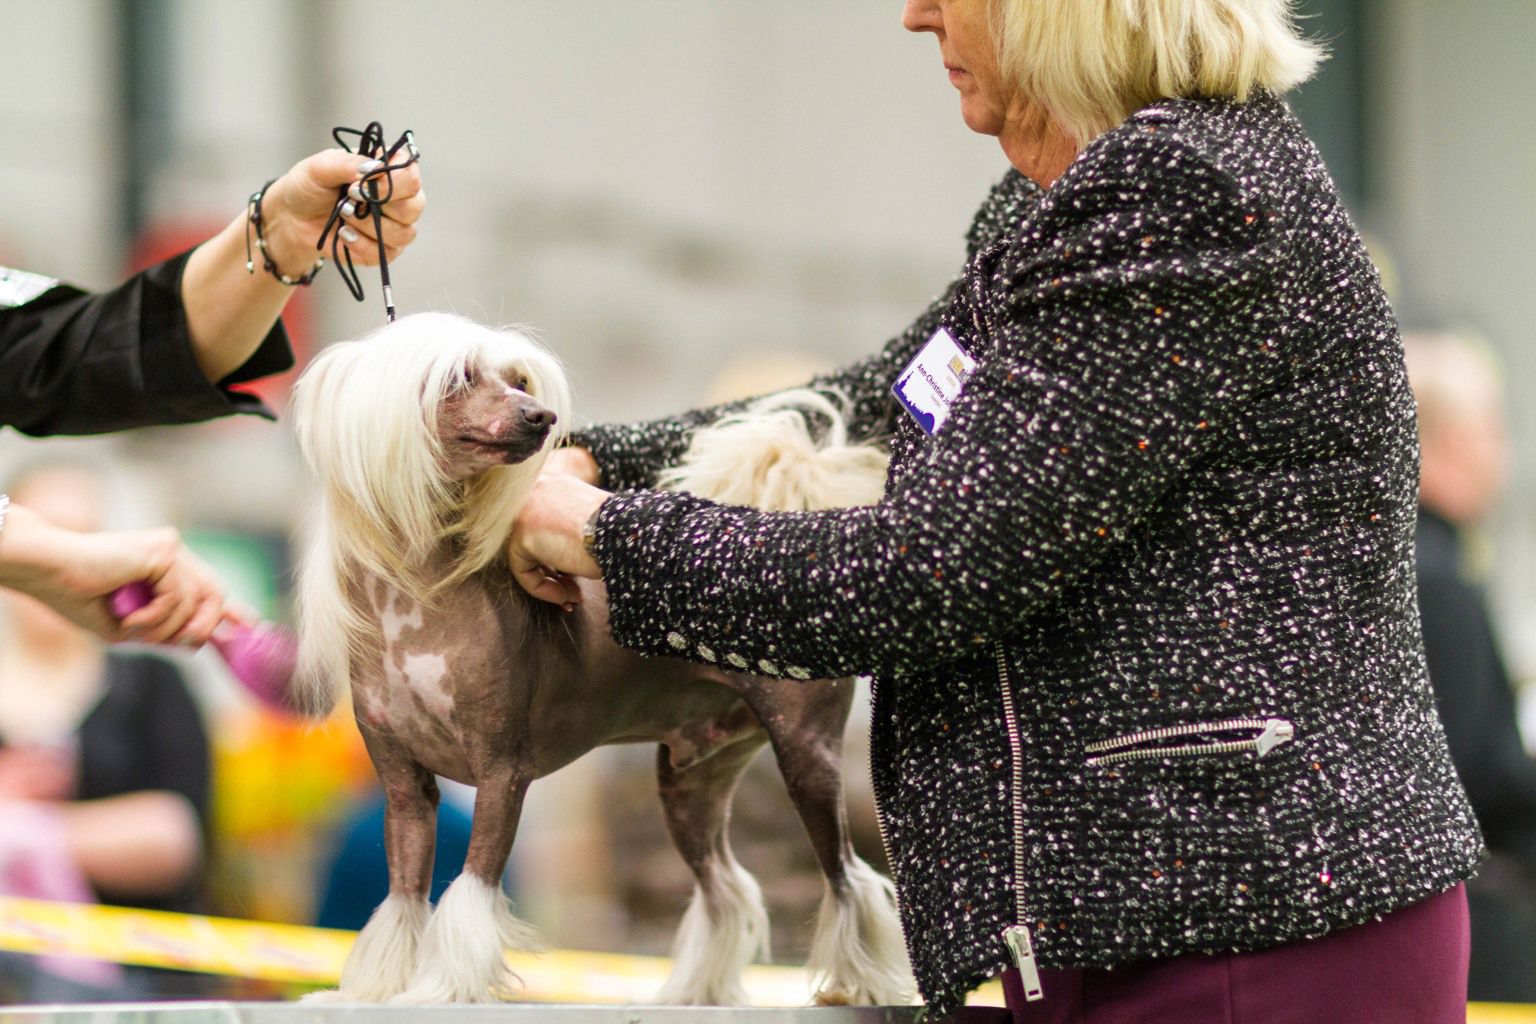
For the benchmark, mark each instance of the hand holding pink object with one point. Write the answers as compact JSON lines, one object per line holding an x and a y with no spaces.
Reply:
{"x":261,"y":657}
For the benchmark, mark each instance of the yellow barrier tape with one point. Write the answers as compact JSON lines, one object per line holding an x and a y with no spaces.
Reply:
{"x":211,"y":945}
{"x":313,"y":956}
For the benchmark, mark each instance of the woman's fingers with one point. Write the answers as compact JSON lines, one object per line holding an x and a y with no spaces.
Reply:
{"x":544,"y":585}
{"x":364,"y":242}
{"x":188,"y":603}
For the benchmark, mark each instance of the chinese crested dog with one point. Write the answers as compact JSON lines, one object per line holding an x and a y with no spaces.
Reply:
{"x":426,"y":437}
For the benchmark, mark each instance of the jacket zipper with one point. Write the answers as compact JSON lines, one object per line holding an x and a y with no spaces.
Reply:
{"x":885,"y":842}
{"x":1152,"y":744}
{"x":1016,"y":936}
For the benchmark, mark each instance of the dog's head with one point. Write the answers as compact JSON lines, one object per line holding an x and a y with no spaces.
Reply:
{"x":431,"y":426}
{"x":489,"y":418}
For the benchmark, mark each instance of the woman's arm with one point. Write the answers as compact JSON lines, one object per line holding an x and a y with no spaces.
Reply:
{"x":164,"y":346}
{"x":631,"y":455}
{"x":1121,"y":351}
{"x":229,"y":309}
{"x":142,"y":844}
{"x":75,"y":574}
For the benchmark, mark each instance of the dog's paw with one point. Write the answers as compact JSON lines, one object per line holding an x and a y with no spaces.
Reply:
{"x":437,"y":995}
{"x":829,"y":997}
{"x":330,"y":997}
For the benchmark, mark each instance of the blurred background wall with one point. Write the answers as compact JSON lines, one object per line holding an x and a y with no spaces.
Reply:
{"x":666,"y":189}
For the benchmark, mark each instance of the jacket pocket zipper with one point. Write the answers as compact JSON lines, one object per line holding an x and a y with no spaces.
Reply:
{"x":1194,"y":739}
{"x":1021,"y":948}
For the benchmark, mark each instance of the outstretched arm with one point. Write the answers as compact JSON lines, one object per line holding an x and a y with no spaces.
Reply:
{"x":230,"y":310}
{"x":76,"y":573}
{"x":165,"y":346}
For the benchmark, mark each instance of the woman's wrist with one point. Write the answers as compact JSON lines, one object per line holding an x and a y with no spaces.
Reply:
{"x":282,"y":250}
{"x":576,"y":461}
{"x":25,"y":544}
{"x":589,"y":533}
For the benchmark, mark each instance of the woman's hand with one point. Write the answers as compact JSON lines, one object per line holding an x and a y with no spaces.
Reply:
{"x":299,"y":203}
{"x":75,"y":574}
{"x":573,"y":460}
{"x":230,"y":310}
{"x":545,"y":550}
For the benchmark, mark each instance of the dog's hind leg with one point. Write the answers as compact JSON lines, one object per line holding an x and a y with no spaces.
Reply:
{"x":858,"y":952}
{"x":726,"y":924}
{"x":461,"y":956}
{"x":383,"y":958}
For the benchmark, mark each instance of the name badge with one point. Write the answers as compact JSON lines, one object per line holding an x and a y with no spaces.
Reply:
{"x":933,"y":379}
{"x":17,"y":287}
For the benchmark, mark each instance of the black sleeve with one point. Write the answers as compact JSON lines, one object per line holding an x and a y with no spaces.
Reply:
{"x":630,"y":455}
{"x":1476,"y":704}
{"x":146,"y":734}
{"x":74,"y":362}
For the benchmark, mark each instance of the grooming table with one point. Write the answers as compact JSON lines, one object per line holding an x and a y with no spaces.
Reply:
{"x":508,"y":1013}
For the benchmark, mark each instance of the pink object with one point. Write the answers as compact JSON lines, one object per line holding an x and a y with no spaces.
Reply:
{"x":37,"y":862}
{"x":261,"y":657}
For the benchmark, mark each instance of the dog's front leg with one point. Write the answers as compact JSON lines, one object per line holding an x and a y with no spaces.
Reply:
{"x":383,"y":959}
{"x":462,"y":957}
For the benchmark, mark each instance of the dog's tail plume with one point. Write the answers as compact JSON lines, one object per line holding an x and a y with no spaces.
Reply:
{"x":330,"y":629}
{"x":787,"y":452}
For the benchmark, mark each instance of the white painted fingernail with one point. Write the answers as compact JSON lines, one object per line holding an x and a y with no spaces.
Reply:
{"x":355,"y":190}
{"x":348,"y":235}
{"x":363,"y":170}
{"x":348,"y":209}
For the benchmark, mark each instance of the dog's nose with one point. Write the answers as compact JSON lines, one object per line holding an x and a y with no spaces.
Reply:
{"x":539,"y":419}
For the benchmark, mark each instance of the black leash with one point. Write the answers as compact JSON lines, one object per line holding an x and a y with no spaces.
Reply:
{"x":369,"y":143}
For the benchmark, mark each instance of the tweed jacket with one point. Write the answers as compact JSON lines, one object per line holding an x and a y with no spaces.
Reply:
{"x":1141,"y":614}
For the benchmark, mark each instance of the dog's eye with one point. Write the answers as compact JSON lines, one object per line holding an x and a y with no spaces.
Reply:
{"x":520,"y":383}
{"x":470,"y":378}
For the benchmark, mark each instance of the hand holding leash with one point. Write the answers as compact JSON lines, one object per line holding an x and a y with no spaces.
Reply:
{"x":367,"y":199}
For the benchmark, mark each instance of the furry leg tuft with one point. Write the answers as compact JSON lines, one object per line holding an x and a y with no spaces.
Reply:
{"x":461,"y":958}
{"x":724,"y":929}
{"x":859,"y":954}
{"x":383,"y":958}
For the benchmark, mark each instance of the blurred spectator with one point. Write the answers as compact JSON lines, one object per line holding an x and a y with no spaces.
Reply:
{"x":1463,"y":467}
{"x":104,"y":770}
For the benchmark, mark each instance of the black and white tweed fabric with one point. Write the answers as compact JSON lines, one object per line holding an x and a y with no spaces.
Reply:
{"x":1177,"y":490}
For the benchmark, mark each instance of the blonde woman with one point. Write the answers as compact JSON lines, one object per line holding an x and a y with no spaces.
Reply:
{"x":1151,"y":732}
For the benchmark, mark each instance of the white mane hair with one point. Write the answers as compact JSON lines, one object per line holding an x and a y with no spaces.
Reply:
{"x":767,"y":456}
{"x":365,"y":413}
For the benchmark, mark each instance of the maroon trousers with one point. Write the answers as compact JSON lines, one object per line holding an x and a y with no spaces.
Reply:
{"x":1408,"y":968}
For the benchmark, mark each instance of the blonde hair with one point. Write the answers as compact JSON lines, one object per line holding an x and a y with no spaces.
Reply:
{"x":365,"y":414}
{"x":1093,"y":63}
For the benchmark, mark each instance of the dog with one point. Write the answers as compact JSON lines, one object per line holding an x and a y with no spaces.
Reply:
{"x":426,"y":437}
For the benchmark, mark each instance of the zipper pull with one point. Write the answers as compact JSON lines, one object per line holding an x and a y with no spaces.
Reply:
{"x":1023,"y":951}
{"x":1276,"y":731}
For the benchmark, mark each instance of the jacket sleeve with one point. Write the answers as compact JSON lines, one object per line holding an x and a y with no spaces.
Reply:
{"x":631,"y":455}
{"x":74,"y":362}
{"x":1116,"y":348}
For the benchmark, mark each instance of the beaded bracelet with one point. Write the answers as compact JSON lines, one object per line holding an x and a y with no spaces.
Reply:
{"x":254,"y":220}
